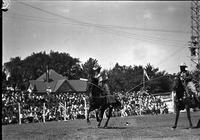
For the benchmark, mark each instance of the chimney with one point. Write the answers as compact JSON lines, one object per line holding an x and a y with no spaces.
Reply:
{"x":47,"y":73}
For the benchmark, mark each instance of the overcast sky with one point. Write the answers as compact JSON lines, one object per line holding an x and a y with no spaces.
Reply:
{"x":130,"y":33}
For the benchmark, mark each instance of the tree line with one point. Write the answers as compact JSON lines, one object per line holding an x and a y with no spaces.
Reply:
{"x":121,"y":77}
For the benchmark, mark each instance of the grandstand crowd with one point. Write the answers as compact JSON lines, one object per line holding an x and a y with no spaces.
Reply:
{"x":32,"y":107}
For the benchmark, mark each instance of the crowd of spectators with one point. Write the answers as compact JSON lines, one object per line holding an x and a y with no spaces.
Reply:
{"x":141,"y":103}
{"x":35,"y":106}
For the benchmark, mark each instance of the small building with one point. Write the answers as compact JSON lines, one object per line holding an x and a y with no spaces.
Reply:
{"x":53,"y":82}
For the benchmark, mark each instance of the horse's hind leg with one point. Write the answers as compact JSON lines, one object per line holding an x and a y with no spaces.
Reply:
{"x":108,"y":117}
{"x":188,"y":115}
{"x":176,"y":120}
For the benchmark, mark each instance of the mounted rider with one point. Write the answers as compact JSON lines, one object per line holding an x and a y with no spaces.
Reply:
{"x":186,"y":80}
{"x":95,"y":89}
{"x":103,"y":83}
{"x":100,"y":81}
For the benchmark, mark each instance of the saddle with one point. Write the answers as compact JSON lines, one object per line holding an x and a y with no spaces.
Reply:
{"x":111,"y":99}
{"x":180,"y":103}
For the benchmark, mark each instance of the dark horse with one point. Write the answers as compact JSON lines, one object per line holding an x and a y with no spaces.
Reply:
{"x":101,"y":102}
{"x":183,"y":101}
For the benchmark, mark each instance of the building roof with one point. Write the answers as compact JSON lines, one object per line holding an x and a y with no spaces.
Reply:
{"x":57,"y":83}
{"x":63,"y":86}
{"x":52,"y":75}
{"x":78,"y":85}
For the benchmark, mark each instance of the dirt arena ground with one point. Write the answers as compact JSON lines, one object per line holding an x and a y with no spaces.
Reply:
{"x":139,"y":127}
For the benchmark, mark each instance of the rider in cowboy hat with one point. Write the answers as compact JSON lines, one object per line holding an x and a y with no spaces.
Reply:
{"x":106,"y":91}
{"x":103,"y":82}
{"x":97,"y":70}
{"x":186,"y":79}
{"x":94,"y":77}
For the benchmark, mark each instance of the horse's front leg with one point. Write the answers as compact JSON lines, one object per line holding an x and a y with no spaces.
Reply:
{"x":101,"y":111}
{"x":177,"y":116}
{"x":198,"y":124}
{"x":108,"y":116}
{"x":97,"y":115}
{"x":188,"y":116}
{"x":88,"y":113}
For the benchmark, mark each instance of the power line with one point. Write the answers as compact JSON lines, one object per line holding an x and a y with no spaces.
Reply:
{"x":157,"y":77}
{"x":144,"y":37}
{"x":105,"y":27}
{"x":85,"y":23}
{"x":101,"y":25}
{"x":146,"y":82}
{"x":111,"y":31}
{"x":118,"y":34}
{"x":172,"y":54}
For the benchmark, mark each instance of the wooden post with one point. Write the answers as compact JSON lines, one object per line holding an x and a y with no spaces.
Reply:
{"x":44,"y":112}
{"x":85,"y":107}
{"x":140,"y":102}
{"x":65,"y":111}
{"x":19,"y":113}
{"x":173,"y":105}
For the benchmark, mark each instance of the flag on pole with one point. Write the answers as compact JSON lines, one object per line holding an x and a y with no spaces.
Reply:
{"x":145,"y":73}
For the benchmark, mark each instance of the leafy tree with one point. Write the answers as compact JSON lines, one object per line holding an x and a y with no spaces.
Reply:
{"x":88,"y":66}
{"x":116,"y":79}
{"x":161,"y":82}
{"x":35,"y":65}
{"x":128,"y":78}
{"x":121,"y":78}
{"x":64,"y":64}
{"x":15,"y":68}
{"x":76,"y":72}
{"x":4,"y":81}
{"x":196,"y":79}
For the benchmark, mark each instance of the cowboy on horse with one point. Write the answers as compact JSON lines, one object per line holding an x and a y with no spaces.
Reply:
{"x":186,"y":94}
{"x":95,"y":77}
{"x":100,"y":98}
{"x":186,"y":80}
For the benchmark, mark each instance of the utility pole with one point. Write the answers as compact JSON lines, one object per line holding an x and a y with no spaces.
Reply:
{"x":194,"y":44}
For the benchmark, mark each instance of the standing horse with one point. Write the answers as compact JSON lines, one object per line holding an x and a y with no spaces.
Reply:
{"x":183,"y":101}
{"x":100,"y":102}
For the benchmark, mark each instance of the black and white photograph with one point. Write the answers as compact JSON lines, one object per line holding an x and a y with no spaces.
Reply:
{"x":100,"y":70}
